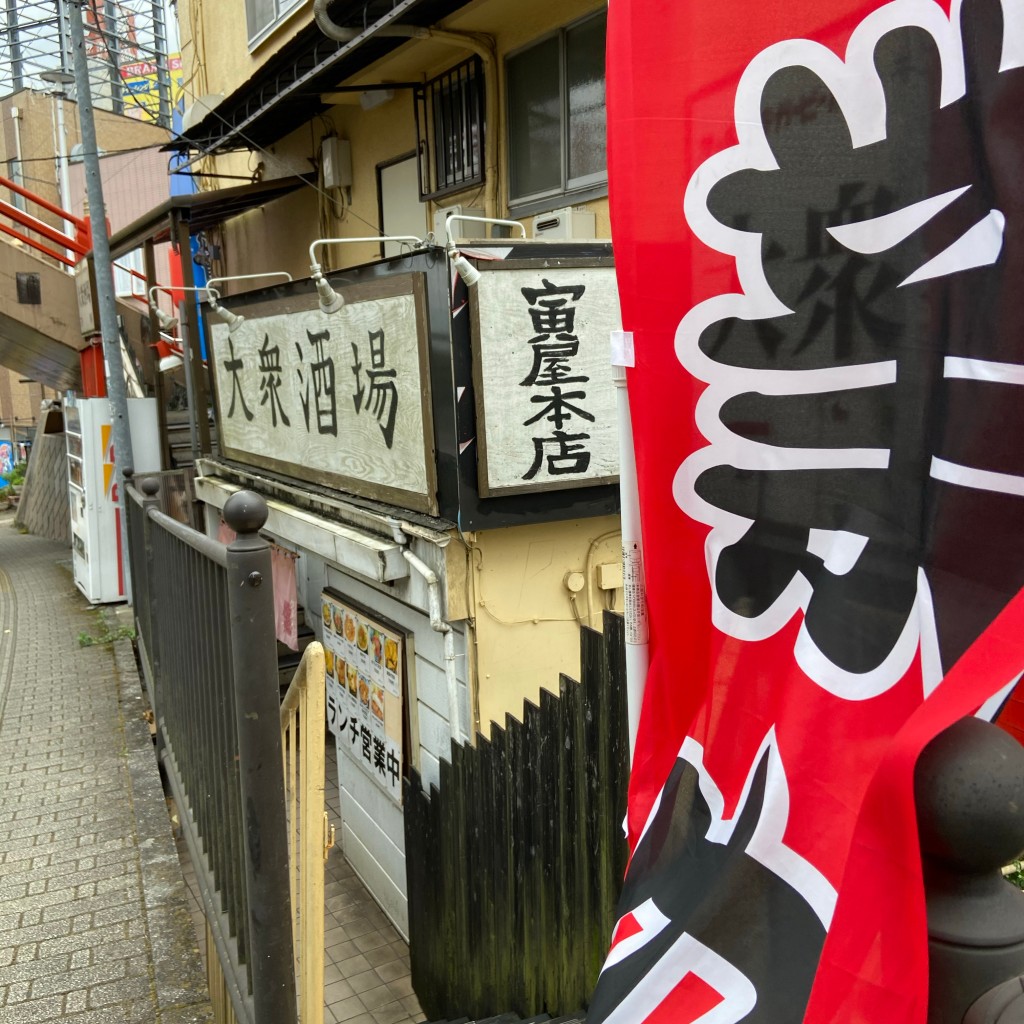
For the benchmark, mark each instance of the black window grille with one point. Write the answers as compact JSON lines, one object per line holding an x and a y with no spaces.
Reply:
{"x":450,"y":129}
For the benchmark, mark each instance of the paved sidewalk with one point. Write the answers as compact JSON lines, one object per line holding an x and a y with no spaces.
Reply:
{"x":94,"y":920}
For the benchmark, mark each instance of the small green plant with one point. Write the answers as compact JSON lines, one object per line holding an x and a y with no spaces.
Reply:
{"x":13,"y":479}
{"x":121,"y":633}
{"x":1017,"y":874}
{"x":107,"y":636}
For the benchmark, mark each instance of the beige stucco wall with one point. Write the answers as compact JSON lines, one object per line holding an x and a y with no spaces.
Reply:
{"x":215,"y":47}
{"x":19,"y":402}
{"x":36,"y":126}
{"x":527,"y":630}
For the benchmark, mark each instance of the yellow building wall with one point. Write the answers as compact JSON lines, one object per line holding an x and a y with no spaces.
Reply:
{"x":215,"y":46}
{"x":269,"y":238}
{"x":511,"y":583}
{"x":527,"y":625}
{"x":513,"y":26}
{"x":278,"y":236}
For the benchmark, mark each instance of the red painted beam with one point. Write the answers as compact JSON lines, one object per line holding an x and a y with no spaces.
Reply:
{"x":37,"y":245}
{"x":78,"y":222}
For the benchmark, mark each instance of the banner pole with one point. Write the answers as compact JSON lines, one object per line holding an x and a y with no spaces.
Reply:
{"x":633,"y":581}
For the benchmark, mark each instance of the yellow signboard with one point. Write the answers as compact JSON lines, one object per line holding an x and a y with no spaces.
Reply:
{"x":142,"y":89}
{"x":365,"y":662}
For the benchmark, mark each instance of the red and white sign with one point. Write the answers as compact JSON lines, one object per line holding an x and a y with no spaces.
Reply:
{"x":817,"y":215}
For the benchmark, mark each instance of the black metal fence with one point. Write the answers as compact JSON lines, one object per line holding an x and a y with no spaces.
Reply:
{"x":205,"y":619}
{"x":515,"y":862}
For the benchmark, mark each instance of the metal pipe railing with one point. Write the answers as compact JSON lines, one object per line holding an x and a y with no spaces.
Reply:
{"x":206,"y":623}
{"x":45,"y":249}
{"x":42,"y":228}
{"x":79,"y":223}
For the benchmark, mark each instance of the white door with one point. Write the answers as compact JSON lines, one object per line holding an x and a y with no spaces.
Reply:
{"x":402,"y":213}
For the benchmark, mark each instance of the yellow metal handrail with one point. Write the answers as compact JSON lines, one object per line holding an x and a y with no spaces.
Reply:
{"x":310,"y":836}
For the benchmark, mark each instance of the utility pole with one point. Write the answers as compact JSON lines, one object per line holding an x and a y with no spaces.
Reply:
{"x":104,"y":274}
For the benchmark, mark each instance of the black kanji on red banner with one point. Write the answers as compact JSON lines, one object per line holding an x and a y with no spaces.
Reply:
{"x":832,"y":367}
{"x":902,"y":252}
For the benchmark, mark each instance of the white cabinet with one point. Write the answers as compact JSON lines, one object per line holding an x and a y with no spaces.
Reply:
{"x":92,"y":489}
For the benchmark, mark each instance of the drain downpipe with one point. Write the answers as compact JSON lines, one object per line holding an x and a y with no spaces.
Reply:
{"x":438,"y":623}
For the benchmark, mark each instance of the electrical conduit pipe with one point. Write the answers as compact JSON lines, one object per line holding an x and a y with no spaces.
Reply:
{"x":437,"y":623}
{"x":633,"y":581}
{"x":478,"y":44}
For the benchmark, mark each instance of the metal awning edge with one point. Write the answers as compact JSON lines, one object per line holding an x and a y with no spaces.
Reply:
{"x":226,"y":140}
{"x":376,"y":558}
{"x":213,"y":206}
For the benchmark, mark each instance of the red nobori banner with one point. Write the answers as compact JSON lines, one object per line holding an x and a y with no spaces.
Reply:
{"x":817,"y":214}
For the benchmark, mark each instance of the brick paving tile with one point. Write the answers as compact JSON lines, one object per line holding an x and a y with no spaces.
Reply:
{"x":75,"y":939}
{"x":401,"y":988}
{"x":392,"y":971}
{"x":353,"y":965}
{"x":346,"y":1009}
{"x":364,"y":940}
{"x":375,"y":998}
{"x":391,"y":1013}
{"x":372,"y":940}
{"x":341,"y":951}
{"x":384,"y":955}
{"x":75,"y":915}
{"x":364,"y":981}
{"x":337,"y":991}
{"x":412,"y":1004}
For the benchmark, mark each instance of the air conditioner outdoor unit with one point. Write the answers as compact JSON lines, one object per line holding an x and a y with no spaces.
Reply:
{"x":460,"y":229}
{"x":565,"y":223}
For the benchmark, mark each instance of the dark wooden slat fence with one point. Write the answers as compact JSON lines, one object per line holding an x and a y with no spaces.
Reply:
{"x":515,"y":861}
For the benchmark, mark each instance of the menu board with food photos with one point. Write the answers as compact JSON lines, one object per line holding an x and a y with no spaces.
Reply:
{"x":365,"y":663}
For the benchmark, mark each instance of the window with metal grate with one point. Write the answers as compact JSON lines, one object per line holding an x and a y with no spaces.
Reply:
{"x":450,"y":130}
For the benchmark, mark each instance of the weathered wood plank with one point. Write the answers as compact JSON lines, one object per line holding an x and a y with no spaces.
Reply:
{"x":516,"y":858}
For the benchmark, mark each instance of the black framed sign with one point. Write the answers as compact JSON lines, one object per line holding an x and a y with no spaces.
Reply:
{"x":546,"y":416}
{"x":340,"y":399}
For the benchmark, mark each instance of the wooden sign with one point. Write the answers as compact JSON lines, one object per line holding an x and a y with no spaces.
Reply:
{"x":339,"y":399}
{"x":546,"y":416}
{"x":85,"y":292}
